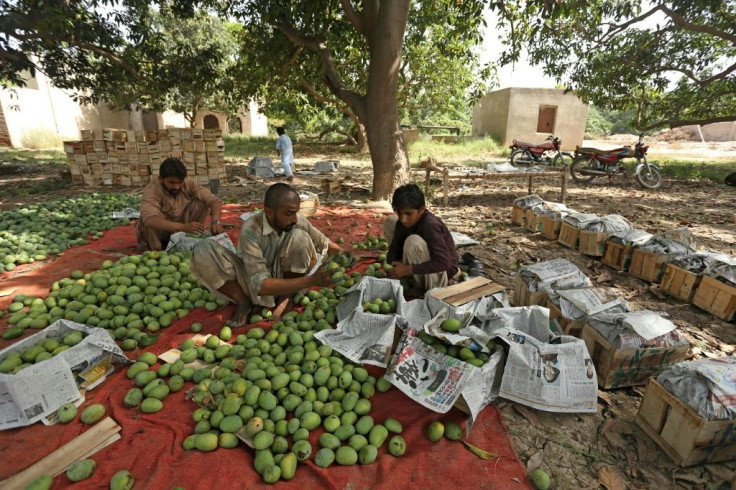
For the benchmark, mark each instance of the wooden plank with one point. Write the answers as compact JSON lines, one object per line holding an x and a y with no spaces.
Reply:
{"x":680,"y":283}
{"x":485,"y":290}
{"x":518,"y":216}
{"x":462,"y":287}
{"x":83,"y":446}
{"x":551,"y":228}
{"x":592,"y":243}
{"x":569,"y":235}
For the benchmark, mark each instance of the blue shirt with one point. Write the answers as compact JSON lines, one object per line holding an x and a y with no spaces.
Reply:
{"x":287,"y":153}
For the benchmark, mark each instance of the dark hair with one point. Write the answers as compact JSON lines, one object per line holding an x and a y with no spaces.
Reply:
{"x":280,"y":130}
{"x":172,"y":167}
{"x":408,"y":196}
{"x":279,"y":194}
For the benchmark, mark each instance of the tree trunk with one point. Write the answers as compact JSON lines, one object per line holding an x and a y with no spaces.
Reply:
{"x":361,"y":140}
{"x":385,"y":139}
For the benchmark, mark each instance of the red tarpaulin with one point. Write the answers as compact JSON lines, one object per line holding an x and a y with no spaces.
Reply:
{"x":150,"y":447}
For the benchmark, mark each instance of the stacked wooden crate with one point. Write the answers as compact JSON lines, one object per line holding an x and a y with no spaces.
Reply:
{"x":132,"y":158}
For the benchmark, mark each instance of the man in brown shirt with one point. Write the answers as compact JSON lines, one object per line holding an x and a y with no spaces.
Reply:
{"x":175,"y":203}
{"x":421,"y":244}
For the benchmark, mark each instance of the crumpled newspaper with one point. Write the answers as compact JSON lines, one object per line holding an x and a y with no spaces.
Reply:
{"x":637,"y":330}
{"x":546,"y":207}
{"x":559,"y":214}
{"x":127,"y":213}
{"x":580,"y":220}
{"x":608,"y":224}
{"x":182,"y":241}
{"x":529,"y":201}
{"x":673,"y":242}
{"x":703,"y":261}
{"x":630,"y":237}
{"x":708,"y":386}
{"x":555,"y":274}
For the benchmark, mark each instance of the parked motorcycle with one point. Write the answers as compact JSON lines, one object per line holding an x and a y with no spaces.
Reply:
{"x":528,"y":154}
{"x":590,"y":163}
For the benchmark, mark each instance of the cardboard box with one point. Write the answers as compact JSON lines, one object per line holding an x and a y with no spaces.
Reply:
{"x":569,"y":235}
{"x":647,"y":265}
{"x":551,"y":228}
{"x":716,"y":297}
{"x":567,"y":325}
{"x":592,"y":243}
{"x":617,"y":368}
{"x":680,"y":283}
{"x":524,"y":297}
{"x":617,"y":256}
{"x":686,"y":437}
{"x":518,"y":216}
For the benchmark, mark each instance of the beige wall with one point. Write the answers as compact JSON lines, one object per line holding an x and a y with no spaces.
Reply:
{"x":513,"y":114}
{"x":43,"y":108}
{"x":724,"y":131}
{"x":490,"y":115}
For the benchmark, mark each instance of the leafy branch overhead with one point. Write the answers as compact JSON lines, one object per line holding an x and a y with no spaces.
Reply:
{"x":672,"y":62}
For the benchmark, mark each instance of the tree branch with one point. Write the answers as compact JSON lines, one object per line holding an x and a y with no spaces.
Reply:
{"x":83,"y":45}
{"x":618,"y":28}
{"x":370,"y":14}
{"x":332,"y":79}
{"x":355,"y":18}
{"x":691,"y":26}
{"x":676,"y":123}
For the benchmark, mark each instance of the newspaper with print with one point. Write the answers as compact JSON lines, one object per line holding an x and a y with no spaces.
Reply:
{"x":40,"y":389}
{"x":182,"y":241}
{"x":707,"y":385}
{"x":555,"y":274}
{"x":542,"y":370}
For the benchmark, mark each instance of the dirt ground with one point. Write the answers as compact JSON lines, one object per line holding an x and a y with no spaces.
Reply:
{"x":606,"y":449}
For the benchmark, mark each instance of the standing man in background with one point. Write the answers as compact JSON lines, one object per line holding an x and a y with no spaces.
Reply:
{"x":286,"y":152}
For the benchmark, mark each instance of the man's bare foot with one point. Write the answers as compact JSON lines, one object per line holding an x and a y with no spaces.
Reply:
{"x":240,"y":317}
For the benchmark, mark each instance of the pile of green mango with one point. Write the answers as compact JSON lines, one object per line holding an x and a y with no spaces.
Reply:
{"x":463,"y":353}
{"x":131,"y":298}
{"x":34,"y":232}
{"x":380,"y":306}
{"x":273,"y":387}
{"x":372,"y":243}
{"x":40,"y":351}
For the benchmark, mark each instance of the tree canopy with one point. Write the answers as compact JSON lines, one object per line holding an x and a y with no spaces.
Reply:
{"x":672,"y":62}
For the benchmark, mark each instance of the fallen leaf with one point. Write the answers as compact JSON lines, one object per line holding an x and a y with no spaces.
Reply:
{"x":516,"y":480}
{"x":481,"y":453}
{"x":605,"y":397}
{"x":604,"y":276}
{"x":609,"y":479}
{"x":657,"y":291}
{"x":534,"y":462}
{"x":6,"y":292}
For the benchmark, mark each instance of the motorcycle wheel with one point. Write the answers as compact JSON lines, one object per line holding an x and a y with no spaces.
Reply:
{"x":578,"y":164}
{"x":563,"y":159}
{"x":521,"y":159}
{"x":649,"y":177}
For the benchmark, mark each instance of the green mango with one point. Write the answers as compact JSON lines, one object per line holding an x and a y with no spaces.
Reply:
{"x":81,"y":470}
{"x":346,"y":456}
{"x":92,"y":414}
{"x":66,"y":413}
{"x":122,"y":480}
{"x":397,"y":446}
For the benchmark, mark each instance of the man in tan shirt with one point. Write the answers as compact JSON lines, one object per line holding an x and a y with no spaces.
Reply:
{"x":277,"y":247}
{"x":174,"y":203}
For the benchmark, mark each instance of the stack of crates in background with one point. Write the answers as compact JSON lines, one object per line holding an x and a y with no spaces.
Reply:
{"x":133,"y":158}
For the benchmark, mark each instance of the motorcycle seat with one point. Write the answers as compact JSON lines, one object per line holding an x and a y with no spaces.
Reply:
{"x":589,"y":150}
{"x":524,"y":144}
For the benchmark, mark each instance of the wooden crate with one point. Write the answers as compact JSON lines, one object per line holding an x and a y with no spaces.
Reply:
{"x":716,"y":297}
{"x":524,"y":297}
{"x":551,"y":228}
{"x":647,"y":265}
{"x":592,"y":243}
{"x":686,"y":437}
{"x":680,"y":283}
{"x":518,"y":216}
{"x":568,"y":326}
{"x":533,"y":221}
{"x":627,"y":367}
{"x":569,"y":235}
{"x":617,"y":256}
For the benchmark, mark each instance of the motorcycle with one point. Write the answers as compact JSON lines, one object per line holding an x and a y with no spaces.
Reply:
{"x":528,"y":154}
{"x":590,"y":163}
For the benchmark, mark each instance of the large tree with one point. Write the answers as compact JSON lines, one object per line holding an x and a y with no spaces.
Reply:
{"x":357,"y":52}
{"x":673,"y":62}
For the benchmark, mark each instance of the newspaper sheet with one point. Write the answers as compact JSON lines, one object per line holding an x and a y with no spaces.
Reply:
{"x":622,"y":330}
{"x":40,"y":389}
{"x":127,"y":213}
{"x":581,"y":302}
{"x":462,"y":240}
{"x":182,"y":241}
{"x":554,"y":274}
{"x":707,"y":385}
{"x":580,"y":220}
{"x":609,"y":224}
{"x":363,"y":338}
{"x":529,"y":201}
{"x":628,"y":238}
{"x":542,"y":370}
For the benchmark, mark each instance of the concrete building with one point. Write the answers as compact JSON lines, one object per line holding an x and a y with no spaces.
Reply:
{"x":530,"y":114}
{"x":42,"y":112}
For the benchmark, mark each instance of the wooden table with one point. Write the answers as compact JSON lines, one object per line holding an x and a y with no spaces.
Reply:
{"x":430,"y":166}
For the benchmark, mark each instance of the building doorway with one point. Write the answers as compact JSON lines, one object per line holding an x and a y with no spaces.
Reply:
{"x":211,"y":122}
